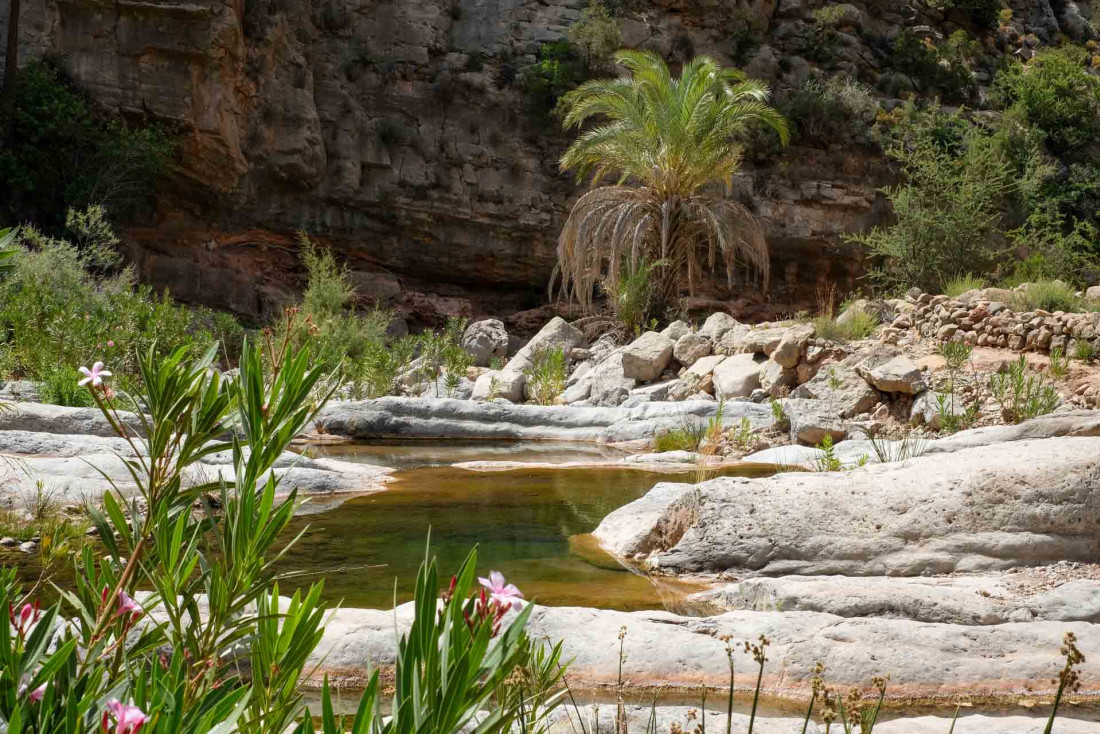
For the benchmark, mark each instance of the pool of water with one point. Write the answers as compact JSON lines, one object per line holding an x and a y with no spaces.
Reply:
{"x":531,"y":524}
{"x":417,"y":454}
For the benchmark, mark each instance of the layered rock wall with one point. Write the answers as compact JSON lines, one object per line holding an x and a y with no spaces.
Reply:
{"x":394,"y":131}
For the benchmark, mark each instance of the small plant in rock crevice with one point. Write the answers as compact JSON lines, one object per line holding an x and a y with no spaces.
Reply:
{"x":1059,"y":363}
{"x":829,"y":460}
{"x":546,"y":375}
{"x":1084,"y":350}
{"x":1021,"y":394}
{"x":955,"y":355}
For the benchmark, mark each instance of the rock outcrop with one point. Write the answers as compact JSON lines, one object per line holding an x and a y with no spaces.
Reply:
{"x":991,"y":507}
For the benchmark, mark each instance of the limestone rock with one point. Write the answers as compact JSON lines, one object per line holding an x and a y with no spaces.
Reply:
{"x":499,"y":384}
{"x":889,"y":370}
{"x":811,"y":421}
{"x":646,"y":357}
{"x":1093,"y":293}
{"x":557,"y":334}
{"x":737,"y":376}
{"x":841,"y":389}
{"x":716,"y":325}
{"x":690,"y":348}
{"x":993,"y":507}
{"x":777,"y":379}
{"x":610,"y":385}
{"x":676,"y":329}
{"x":792,"y":346}
{"x":486,"y":340}
{"x":951,"y":600}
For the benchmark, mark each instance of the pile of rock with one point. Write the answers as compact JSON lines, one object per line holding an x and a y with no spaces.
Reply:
{"x":822,"y":387}
{"x":985,"y":317}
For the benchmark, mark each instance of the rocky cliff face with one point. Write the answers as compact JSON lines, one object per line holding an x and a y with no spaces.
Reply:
{"x":393,"y":131}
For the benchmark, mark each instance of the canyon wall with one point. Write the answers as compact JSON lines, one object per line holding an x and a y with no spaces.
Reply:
{"x":393,"y":131}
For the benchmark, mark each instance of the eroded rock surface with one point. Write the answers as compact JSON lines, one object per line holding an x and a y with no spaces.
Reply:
{"x":984,"y":508}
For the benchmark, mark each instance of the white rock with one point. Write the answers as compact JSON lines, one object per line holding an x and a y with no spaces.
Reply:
{"x":646,"y":357}
{"x":499,"y":384}
{"x":737,"y":376}
{"x":690,"y":348}
{"x":717,"y":324}
{"x":486,"y":340}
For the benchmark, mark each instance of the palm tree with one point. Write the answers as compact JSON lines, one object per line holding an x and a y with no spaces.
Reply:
{"x":667,"y":142}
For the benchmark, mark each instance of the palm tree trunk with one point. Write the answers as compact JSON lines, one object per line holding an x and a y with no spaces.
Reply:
{"x":666,"y":287}
{"x":11,"y":66}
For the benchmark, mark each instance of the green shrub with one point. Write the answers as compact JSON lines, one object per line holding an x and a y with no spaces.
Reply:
{"x":741,"y":32}
{"x":596,"y":35}
{"x":1047,"y":295}
{"x":949,"y":206}
{"x":61,"y":387}
{"x":983,"y":14}
{"x":560,"y":68}
{"x":830,"y":110}
{"x":1058,"y":94}
{"x":631,"y":295}
{"x":1021,"y":394}
{"x":63,"y":155}
{"x":1084,"y":350}
{"x":687,"y":435}
{"x":546,"y":375}
{"x":59,"y":309}
{"x":946,"y":68}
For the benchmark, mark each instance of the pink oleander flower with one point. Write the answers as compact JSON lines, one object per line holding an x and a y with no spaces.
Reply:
{"x":126,"y":605}
{"x":37,"y":694}
{"x":506,"y":595}
{"x":27,"y":616}
{"x":110,"y":343}
{"x":94,"y":375}
{"x":128,"y":718}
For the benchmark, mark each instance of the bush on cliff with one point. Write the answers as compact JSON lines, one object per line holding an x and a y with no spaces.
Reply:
{"x":64,"y":154}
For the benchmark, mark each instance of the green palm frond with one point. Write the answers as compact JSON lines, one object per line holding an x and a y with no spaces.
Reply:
{"x":665,"y":141}
{"x":7,"y":248}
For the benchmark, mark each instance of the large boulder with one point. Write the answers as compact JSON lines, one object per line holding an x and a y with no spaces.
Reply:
{"x":690,"y":348}
{"x":812,"y":420}
{"x":737,"y":376}
{"x":646,"y":357}
{"x":777,"y":379}
{"x":718,"y":324}
{"x":841,"y":389}
{"x":557,"y":334}
{"x":485,"y":341}
{"x":499,"y":384}
{"x":792,"y":346}
{"x":887,"y":369}
{"x":609,"y":383}
{"x":676,"y":329}
{"x":1018,"y":504}
{"x":697,"y":378}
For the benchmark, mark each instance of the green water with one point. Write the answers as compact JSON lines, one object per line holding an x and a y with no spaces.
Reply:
{"x":532,"y":525}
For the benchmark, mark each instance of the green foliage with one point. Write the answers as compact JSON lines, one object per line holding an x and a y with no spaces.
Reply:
{"x":782,"y":420}
{"x":1021,"y":394}
{"x":684,"y":437}
{"x":1084,"y":350}
{"x":59,"y":308}
{"x":828,"y":461}
{"x":1047,"y":295}
{"x":947,"y":210}
{"x":961,"y":284}
{"x":560,"y":68}
{"x":982,"y":14}
{"x":1058,"y":93}
{"x":823,"y":41}
{"x":742,"y":33}
{"x":596,"y":35}
{"x":956,"y":355}
{"x":945,"y":69}
{"x":671,"y":138}
{"x":631,"y":294}
{"x":63,"y":155}
{"x":824,"y":111}
{"x":59,"y":387}
{"x":546,"y":375}
{"x":1059,"y":363}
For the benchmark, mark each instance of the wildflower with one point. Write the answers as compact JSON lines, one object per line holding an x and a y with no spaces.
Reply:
{"x":110,"y":343}
{"x":506,"y":595}
{"x":128,"y":718}
{"x":126,"y":605}
{"x":94,"y":375}
{"x":37,"y":694}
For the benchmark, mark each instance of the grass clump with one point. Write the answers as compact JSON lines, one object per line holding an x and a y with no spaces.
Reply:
{"x":859,"y":324}
{"x":1084,"y":350}
{"x":546,"y":375}
{"x":961,"y":284}
{"x":1047,"y":295}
